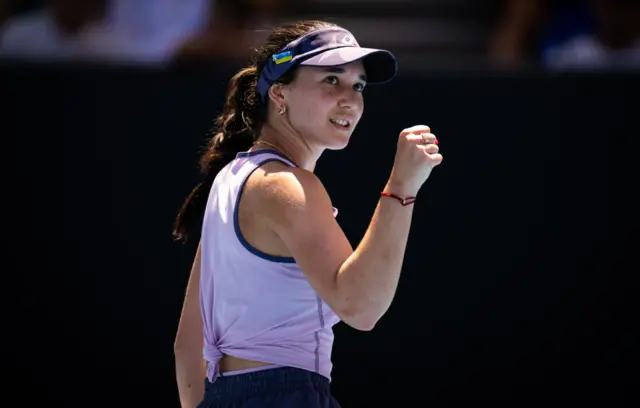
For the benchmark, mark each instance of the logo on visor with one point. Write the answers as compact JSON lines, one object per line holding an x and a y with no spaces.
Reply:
{"x":348,"y":40}
{"x":282,"y":57}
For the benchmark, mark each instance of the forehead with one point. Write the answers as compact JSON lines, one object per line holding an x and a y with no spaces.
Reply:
{"x":353,"y":68}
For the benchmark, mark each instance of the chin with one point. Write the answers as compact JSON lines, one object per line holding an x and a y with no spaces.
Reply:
{"x":339,"y":143}
{"x":338,"y":140}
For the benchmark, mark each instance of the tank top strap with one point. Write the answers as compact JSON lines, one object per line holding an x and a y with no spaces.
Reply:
{"x":261,"y":156}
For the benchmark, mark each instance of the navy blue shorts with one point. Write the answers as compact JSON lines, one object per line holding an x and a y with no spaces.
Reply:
{"x":283,"y":387}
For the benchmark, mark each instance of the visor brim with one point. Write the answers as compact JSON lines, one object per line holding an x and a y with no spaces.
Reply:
{"x":380,"y":65}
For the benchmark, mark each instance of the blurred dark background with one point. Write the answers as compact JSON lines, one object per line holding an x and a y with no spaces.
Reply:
{"x":512,"y":292}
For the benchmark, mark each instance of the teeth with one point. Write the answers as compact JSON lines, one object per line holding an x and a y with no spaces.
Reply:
{"x":340,"y":122}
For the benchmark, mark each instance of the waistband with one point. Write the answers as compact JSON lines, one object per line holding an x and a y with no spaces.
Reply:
{"x":262,"y":382}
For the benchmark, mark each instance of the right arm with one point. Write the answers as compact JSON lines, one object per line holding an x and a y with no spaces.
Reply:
{"x":358,"y":285}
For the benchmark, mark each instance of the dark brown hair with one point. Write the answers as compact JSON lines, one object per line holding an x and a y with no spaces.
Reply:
{"x":237,"y":128}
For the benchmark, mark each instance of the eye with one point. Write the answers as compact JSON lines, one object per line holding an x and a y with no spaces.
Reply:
{"x":333,"y":80}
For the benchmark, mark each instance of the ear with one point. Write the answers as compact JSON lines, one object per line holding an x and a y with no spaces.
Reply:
{"x":276,"y":94}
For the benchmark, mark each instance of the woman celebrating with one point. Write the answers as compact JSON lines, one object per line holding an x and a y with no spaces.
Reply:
{"x":274,"y":272}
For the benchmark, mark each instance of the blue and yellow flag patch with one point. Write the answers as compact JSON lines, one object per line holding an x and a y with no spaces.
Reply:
{"x":282,"y":57}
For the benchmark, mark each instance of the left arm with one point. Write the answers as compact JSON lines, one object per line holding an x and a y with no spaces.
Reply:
{"x":190,"y":366}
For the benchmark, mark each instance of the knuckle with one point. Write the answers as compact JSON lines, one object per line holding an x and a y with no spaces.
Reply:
{"x":416,"y":128}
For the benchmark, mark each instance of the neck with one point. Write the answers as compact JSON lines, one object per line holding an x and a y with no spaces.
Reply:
{"x":283,"y":138}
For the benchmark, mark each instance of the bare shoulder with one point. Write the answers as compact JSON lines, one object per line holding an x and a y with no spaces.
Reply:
{"x":284,"y":191}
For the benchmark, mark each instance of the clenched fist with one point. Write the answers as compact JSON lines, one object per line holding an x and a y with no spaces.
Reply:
{"x":416,"y":156}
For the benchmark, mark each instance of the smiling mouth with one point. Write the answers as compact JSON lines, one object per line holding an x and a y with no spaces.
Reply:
{"x":341,"y":123}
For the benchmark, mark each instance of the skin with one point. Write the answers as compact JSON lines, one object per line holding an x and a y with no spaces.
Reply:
{"x":317,"y":95}
{"x":286,"y":211}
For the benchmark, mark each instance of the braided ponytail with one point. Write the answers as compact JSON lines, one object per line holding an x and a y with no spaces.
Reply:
{"x":235,"y":131}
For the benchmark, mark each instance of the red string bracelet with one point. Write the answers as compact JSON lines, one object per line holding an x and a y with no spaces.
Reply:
{"x":403,"y":200}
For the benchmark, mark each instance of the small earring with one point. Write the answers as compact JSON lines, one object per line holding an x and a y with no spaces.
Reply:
{"x":282,"y":110}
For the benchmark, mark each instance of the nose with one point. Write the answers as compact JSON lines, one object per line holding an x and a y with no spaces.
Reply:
{"x":349,"y":100}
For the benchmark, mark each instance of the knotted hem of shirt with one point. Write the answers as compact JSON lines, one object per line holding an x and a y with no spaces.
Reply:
{"x":213,"y":356}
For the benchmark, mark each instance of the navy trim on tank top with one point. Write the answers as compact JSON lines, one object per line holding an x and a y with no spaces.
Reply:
{"x":272,"y":151}
{"x":236,"y":210}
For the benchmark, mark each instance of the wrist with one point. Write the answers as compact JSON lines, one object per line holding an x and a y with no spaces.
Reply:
{"x":405,"y":201}
{"x":401,"y":189}
{"x":404,"y":193}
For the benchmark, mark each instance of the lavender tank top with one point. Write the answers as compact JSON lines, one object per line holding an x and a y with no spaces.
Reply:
{"x":256,"y":306}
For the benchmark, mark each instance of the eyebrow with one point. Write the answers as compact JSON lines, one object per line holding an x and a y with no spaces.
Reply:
{"x":338,"y":70}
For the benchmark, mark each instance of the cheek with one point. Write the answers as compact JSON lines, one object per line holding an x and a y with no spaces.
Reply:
{"x":360,"y":106}
{"x":305,"y":111}
{"x":304,"y":116}
{"x":312,"y":107}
